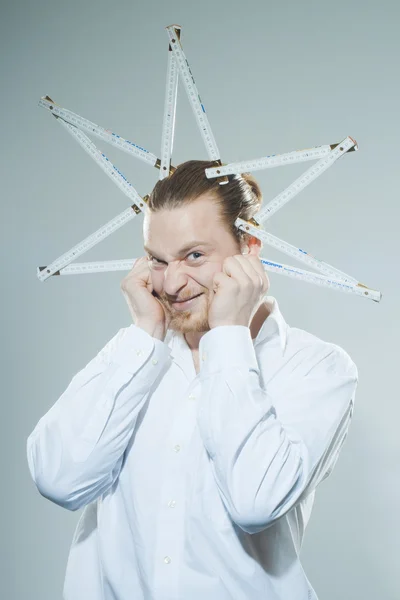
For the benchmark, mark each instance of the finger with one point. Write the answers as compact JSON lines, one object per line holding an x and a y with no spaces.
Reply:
{"x":138,"y":265}
{"x":257,"y":265}
{"x":250,"y":268}
{"x":235,"y":270}
{"x":222,"y":279}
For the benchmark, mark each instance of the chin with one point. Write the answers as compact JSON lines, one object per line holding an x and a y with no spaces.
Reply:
{"x":188,"y":322}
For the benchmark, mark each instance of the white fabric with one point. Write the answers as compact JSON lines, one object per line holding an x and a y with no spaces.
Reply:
{"x":195,"y":487}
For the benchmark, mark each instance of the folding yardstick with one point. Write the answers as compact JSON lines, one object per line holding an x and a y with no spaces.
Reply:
{"x":178,"y":66}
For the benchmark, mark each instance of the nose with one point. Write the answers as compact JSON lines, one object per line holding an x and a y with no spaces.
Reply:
{"x":174,"y":278}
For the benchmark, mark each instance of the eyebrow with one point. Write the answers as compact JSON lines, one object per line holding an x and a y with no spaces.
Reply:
{"x":185,"y":248}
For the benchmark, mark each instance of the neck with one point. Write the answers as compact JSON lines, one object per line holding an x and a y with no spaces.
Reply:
{"x":193,"y":337}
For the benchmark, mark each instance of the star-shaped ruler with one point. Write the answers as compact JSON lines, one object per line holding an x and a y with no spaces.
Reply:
{"x":325,"y":156}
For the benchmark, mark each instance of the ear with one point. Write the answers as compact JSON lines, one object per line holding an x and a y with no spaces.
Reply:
{"x":252,"y":245}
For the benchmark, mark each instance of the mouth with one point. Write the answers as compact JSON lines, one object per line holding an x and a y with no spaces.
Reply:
{"x":185,"y":303}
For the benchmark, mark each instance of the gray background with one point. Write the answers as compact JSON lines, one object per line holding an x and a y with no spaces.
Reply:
{"x":274,"y":77}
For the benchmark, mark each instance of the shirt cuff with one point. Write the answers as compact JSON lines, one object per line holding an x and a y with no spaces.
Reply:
{"x":137,"y":347}
{"x":227,"y":346}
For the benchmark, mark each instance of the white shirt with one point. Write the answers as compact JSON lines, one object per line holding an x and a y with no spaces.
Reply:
{"x":195,"y":487}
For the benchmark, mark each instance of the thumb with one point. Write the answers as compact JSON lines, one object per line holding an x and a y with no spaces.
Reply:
{"x":217,"y":281}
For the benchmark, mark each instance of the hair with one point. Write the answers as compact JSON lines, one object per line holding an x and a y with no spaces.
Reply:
{"x":240,"y":197}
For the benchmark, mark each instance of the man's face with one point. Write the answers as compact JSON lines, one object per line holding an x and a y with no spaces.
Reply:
{"x":181,"y":269}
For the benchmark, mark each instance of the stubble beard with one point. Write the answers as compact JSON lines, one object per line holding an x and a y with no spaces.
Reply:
{"x":187,"y":321}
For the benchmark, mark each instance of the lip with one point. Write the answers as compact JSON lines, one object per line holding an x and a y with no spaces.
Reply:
{"x":186,"y":304}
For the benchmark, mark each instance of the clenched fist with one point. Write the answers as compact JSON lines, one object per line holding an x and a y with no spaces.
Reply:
{"x":238,"y":290}
{"x":146,"y":310}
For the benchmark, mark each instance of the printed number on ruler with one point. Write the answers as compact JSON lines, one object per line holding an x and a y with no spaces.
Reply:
{"x":104,"y":134}
{"x":301,"y":182}
{"x":193,"y":95}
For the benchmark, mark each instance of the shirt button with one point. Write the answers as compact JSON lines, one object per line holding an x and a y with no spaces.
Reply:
{"x":167,"y":559}
{"x":154,"y":361}
{"x":177,"y":448}
{"x":138,"y":352}
{"x":172,"y":503}
{"x":204,"y":356}
{"x":192,"y":397}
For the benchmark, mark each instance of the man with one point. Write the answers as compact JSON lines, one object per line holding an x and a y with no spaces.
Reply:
{"x":196,"y":438}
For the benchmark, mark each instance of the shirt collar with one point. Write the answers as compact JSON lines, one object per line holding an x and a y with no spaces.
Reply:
{"x":274,"y":325}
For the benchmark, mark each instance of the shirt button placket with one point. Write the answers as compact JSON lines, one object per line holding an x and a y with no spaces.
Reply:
{"x":170,"y":525}
{"x":172,"y":504}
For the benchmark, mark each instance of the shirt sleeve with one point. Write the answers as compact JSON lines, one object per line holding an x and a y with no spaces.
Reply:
{"x":269,"y":448}
{"x":75,"y":452}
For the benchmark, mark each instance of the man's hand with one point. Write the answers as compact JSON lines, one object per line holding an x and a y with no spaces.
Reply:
{"x":238,"y":290}
{"x":146,"y":310}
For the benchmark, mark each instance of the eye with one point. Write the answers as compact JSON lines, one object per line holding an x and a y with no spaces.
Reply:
{"x":155,"y":260}
{"x":199,"y":253}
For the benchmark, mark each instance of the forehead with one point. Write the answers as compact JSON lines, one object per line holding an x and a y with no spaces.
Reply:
{"x":174,"y":228}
